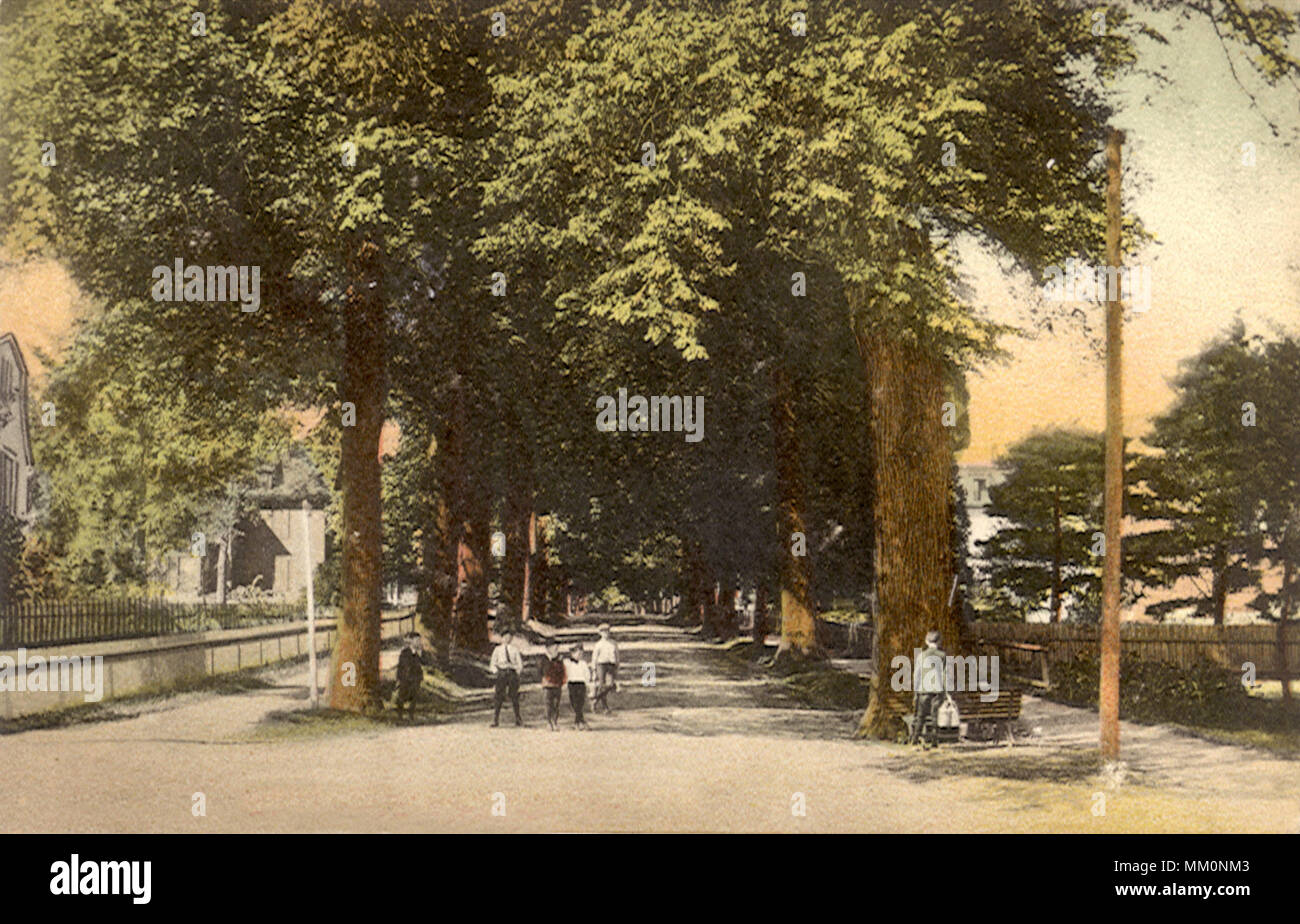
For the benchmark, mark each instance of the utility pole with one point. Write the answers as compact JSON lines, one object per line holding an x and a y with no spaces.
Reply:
{"x":1057,"y":552}
{"x":311,"y":600}
{"x":1112,"y":559}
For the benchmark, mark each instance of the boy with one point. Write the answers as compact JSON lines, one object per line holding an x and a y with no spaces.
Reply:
{"x":604,"y":659}
{"x":553,"y":677}
{"x":577,"y":673}
{"x":409,"y":675}
{"x":928,"y":688}
{"x":506,"y":666}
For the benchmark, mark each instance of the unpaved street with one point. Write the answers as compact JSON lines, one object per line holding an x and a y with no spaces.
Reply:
{"x":708,"y":748}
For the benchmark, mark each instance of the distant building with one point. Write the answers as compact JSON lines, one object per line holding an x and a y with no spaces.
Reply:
{"x":267,"y":551}
{"x":976,"y":479}
{"x":17,"y":477}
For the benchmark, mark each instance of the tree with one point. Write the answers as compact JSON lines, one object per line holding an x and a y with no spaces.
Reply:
{"x":1049,"y":508}
{"x":1200,"y":495}
{"x":312,"y":141}
{"x":1279,"y":475}
{"x":13,"y":583}
{"x":131,"y":476}
{"x":1218,"y":496}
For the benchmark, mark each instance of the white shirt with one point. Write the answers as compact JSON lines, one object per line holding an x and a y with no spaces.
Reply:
{"x":505,"y":657}
{"x":605,"y":652}
{"x":576,"y":671}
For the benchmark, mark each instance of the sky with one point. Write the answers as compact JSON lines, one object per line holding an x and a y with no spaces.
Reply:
{"x":1228,"y":244}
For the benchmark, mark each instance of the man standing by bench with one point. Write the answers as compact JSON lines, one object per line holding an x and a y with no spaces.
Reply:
{"x":928,"y":687}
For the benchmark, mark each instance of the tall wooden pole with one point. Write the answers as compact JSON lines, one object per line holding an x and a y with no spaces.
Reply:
{"x":311,"y":601}
{"x":1112,"y":559}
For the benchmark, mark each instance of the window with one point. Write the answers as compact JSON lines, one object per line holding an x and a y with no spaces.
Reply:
{"x":8,"y":484}
{"x":6,"y":378}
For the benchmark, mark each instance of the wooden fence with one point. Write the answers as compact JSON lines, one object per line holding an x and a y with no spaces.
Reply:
{"x":1184,"y":645}
{"x":70,"y":622}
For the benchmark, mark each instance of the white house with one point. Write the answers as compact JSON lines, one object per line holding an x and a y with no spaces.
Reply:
{"x":268,"y":553}
{"x":17,"y":481}
{"x":976,"y":479}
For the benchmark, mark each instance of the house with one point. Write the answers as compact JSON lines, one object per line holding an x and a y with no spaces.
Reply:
{"x":267,"y":556}
{"x":976,"y":479}
{"x":17,"y":477}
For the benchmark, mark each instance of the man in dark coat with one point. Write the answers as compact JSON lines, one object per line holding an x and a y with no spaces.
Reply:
{"x":410,"y":674}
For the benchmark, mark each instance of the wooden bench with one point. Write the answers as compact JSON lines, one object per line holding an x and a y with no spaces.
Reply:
{"x":996,"y":716}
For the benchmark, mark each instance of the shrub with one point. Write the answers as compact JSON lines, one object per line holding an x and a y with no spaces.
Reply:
{"x":13,"y":582}
{"x":329,"y":581}
{"x":1153,"y":691}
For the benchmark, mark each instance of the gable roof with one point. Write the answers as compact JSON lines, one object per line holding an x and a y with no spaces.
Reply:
{"x":288,"y":481}
{"x":10,"y":342}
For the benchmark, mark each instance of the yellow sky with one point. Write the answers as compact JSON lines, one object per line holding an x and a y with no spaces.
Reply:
{"x":36,"y":304}
{"x":1229,"y":243}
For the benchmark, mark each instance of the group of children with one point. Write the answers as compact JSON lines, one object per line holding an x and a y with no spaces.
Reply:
{"x":575,"y":671}
{"x":507,"y":664}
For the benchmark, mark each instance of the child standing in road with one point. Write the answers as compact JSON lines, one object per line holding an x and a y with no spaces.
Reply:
{"x":553,"y":676}
{"x":604,"y":662}
{"x":577,"y":673}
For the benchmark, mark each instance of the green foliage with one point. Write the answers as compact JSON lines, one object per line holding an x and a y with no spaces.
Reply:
{"x":1050,"y":476}
{"x":131,"y":472}
{"x":13,"y":580}
{"x":1153,"y":691}
{"x":774,"y":153}
{"x":329,"y":581}
{"x":1219,"y":497}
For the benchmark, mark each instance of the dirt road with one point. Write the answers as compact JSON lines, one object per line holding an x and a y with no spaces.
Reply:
{"x":709,"y":747}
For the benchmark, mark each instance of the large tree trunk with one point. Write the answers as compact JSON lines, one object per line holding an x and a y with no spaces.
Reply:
{"x":542,"y":579}
{"x":527,"y":610}
{"x":759,"y":632}
{"x":437,"y":588}
{"x":355,"y":682}
{"x":468,"y":539}
{"x":692,"y":605}
{"x":727,"y":608}
{"x":1219,"y":583}
{"x":707,"y":595}
{"x":717,"y":612}
{"x":469,"y":610}
{"x":514,"y":577}
{"x":913,"y":548}
{"x":798,"y":623}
